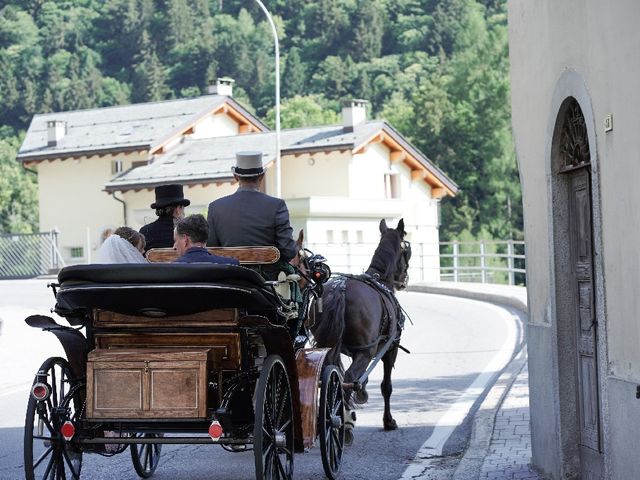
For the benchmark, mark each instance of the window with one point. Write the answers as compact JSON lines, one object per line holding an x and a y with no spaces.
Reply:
{"x":359,"y":236}
{"x":345,"y":236}
{"x":329,"y":236}
{"x":392,"y":185}
{"x":76,"y":252}
{"x":116,"y":166}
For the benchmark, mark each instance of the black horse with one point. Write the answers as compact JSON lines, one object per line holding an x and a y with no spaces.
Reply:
{"x":361,"y":315}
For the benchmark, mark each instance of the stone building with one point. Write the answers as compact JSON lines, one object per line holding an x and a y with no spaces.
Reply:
{"x":574,"y":71}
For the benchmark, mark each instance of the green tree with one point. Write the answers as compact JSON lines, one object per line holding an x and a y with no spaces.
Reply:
{"x":465,"y":128}
{"x":304,"y":111}
{"x":18,"y":194}
{"x":294,"y":78}
{"x":368,"y":30}
{"x":149,"y":78}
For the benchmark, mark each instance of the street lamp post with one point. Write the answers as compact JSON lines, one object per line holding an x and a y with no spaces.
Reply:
{"x":277,"y":51}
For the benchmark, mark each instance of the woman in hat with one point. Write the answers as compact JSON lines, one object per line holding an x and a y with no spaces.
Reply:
{"x":169,"y":206}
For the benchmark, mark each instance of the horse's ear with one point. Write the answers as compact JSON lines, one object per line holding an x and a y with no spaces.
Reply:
{"x":400,"y":227}
{"x":300,"y":240}
{"x":383,"y":226}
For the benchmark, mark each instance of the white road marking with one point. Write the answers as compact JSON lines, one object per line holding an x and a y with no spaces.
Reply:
{"x":453,"y":417}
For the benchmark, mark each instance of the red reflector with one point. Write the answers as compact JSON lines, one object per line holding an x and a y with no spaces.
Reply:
{"x":67,"y":430}
{"x":40,"y":391}
{"x":215,"y":430}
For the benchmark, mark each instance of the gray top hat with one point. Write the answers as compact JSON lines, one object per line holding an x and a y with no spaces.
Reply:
{"x":248,"y":164}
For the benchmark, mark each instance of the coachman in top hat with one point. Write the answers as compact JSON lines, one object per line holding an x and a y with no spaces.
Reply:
{"x":169,"y":207}
{"x":249,"y":216}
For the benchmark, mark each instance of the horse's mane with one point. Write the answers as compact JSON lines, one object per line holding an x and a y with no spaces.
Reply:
{"x":384,"y":258}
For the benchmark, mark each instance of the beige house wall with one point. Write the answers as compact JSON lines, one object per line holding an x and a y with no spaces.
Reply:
{"x":587,"y":47}
{"x":72,"y":199}
{"x":315,"y":174}
{"x":599,"y":43}
{"x":139,"y":210}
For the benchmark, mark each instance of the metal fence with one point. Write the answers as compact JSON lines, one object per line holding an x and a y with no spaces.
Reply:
{"x":500,"y":262}
{"x":29,"y":255}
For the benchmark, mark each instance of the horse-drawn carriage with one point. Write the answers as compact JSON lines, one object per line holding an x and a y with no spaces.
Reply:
{"x":182,"y":354}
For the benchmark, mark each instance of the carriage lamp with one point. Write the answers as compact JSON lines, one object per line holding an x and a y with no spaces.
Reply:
{"x":67,"y":430}
{"x":40,"y":391}
{"x":215,"y":430}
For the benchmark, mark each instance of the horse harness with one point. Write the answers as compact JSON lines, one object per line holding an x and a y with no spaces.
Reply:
{"x":387,"y":299}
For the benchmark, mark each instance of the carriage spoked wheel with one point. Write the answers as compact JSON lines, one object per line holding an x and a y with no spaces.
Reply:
{"x":331,"y":428}
{"x":273,"y":428}
{"x":145,"y":456}
{"x":47,"y":455}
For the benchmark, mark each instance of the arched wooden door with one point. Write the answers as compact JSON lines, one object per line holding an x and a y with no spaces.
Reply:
{"x":576,"y":167}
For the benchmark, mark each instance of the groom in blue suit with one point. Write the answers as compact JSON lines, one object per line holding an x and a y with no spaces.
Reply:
{"x":190,"y":236}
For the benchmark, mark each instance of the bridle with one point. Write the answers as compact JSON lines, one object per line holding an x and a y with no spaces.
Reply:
{"x":401,"y":277}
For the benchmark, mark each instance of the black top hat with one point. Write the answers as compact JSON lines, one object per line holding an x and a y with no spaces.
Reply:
{"x":248,"y":164}
{"x":167,"y":195}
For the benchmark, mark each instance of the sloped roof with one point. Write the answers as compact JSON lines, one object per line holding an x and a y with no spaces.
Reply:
{"x":120,"y":128}
{"x":210,"y":160}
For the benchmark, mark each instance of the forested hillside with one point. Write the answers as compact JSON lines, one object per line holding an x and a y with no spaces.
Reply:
{"x":436,"y":69}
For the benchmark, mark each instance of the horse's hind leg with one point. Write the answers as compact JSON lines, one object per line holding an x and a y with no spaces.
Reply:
{"x":358,"y":366}
{"x":388,"y":360}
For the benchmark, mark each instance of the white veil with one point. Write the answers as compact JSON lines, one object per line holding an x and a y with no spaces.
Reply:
{"x":116,"y":249}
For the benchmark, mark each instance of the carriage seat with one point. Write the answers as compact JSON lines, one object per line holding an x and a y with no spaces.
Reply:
{"x":159,"y":290}
{"x":249,"y":256}
{"x":246,"y":255}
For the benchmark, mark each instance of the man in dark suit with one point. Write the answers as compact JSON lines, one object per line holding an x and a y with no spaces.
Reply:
{"x":190,"y":237}
{"x":169,"y":207}
{"x":249,"y":216}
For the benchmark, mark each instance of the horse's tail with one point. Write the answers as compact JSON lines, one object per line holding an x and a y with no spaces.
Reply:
{"x":328,"y":329}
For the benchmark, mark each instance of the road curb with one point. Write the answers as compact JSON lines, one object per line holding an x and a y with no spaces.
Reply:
{"x":483,"y":424}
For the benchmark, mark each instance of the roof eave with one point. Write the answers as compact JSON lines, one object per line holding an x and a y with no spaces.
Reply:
{"x":110,"y":188}
{"x":300,"y":150}
{"x":450,"y":186}
{"x":27,"y":158}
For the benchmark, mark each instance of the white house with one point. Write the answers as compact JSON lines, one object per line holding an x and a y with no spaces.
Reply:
{"x":97,"y":169}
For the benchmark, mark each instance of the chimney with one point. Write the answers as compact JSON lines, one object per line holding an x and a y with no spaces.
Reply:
{"x":223,"y":86}
{"x":56,"y":130}
{"x":354,"y":113}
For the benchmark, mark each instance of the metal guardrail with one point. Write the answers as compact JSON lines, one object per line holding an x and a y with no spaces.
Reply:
{"x":501,"y":262}
{"x":29,"y":255}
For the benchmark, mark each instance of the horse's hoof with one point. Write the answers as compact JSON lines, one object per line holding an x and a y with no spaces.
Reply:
{"x":390,"y":425}
{"x":348,"y":437}
{"x":361,"y":396}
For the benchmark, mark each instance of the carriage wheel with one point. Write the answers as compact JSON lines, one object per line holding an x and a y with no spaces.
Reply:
{"x":330,"y":421}
{"x":46,"y":453}
{"x":273,"y":428}
{"x":145,"y":456}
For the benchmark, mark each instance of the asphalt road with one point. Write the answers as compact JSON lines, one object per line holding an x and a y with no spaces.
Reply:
{"x":456,"y":345}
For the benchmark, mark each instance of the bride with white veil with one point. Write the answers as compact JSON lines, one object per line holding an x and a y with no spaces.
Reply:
{"x":116,"y":249}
